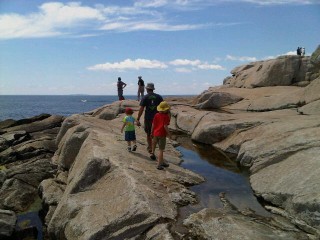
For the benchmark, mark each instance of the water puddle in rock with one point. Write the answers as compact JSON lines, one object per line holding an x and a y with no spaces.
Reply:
{"x":29,"y":225}
{"x":221,"y":175}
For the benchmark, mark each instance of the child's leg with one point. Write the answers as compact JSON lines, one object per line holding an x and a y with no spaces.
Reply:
{"x":153,"y":148}
{"x":162,"y":145}
{"x":129,"y":146}
{"x":160,"y":157}
{"x":154,"y":144}
{"x":134,"y":148}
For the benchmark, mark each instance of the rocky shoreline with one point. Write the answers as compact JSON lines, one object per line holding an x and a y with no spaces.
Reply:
{"x":91,"y":188}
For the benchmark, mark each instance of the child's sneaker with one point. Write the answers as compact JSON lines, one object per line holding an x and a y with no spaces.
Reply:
{"x":129,"y":149}
{"x":134,"y":148}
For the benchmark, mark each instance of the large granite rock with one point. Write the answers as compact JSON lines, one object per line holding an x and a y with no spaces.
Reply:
{"x":8,"y":220}
{"x":311,"y":108}
{"x":110,"y":193}
{"x":259,"y":99}
{"x":274,"y":132}
{"x":261,"y":141}
{"x":26,"y":148}
{"x":216,"y":100}
{"x":311,"y":92}
{"x":230,"y":223}
{"x":314,"y":65}
{"x":299,"y":196}
{"x":19,"y":188}
{"x":282,"y":71}
{"x":86,"y":199}
{"x":29,"y":139}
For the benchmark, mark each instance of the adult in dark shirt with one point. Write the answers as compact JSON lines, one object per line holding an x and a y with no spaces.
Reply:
{"x":149,"y":103}
{"x":120,"y":85}
{"x":299,"y":51}
{"x":140,"y":88}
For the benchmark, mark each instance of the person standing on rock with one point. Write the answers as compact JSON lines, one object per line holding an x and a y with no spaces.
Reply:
{"x":303,"y":51}
{"x":149,"y":103}
{"x":140,"y":88}
{"x":120,"y":85}
{"x":128,"y":125}
{"x":160,"y":132}
{"x":299,"y":51}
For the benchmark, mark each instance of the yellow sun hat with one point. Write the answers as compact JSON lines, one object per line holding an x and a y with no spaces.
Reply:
{"x":163,"y":106}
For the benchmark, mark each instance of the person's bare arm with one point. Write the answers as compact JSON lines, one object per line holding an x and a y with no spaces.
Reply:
{"x":124,"y":124}
{"x":152,"y":130}
{"x":167,"y":130}
{"x":139,"y":115}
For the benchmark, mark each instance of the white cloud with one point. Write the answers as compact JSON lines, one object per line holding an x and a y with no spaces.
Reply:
{"x":241,"y":59}
{"x":73,"y":19}
{"x":129,"y":64}
{"x":283,"y":54}
{"x":56,"y":19}
{"x":68,"y":14}
{"x":183,"y":62}
{"x":290,"y":53}
{"x":196,"y":65}
{"x":52,"y":20}
{"x":150,"y":3}
{"x":207,"y":66}
{"x":128,"y":26}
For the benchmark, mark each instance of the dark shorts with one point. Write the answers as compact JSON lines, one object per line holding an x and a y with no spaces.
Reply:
{"x":161,"y":141}
{"x":130,"y":135}
{"x":147,"y":126}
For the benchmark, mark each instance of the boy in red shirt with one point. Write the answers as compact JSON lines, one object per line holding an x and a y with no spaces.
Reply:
{"x":160,"y":131}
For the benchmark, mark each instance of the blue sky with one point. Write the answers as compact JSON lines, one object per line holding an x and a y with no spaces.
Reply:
{"x":182,"y":46}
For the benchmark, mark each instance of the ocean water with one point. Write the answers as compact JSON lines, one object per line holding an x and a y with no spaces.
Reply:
{"x":25,"y":106}
{"x":19,"y":107}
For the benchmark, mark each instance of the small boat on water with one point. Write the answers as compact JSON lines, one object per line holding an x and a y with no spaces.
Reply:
{"x":83,"y":100}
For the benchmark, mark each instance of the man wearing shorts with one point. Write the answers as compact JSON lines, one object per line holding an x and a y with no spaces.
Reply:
{"x":149,"y":103}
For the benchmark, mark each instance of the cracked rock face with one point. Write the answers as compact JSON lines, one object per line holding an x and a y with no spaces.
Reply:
{"x":230,"y":224}
{"x":282,"y":71}
{"x":27,"y":147}
{"x":7,"y":223}
{"x":110,"y":193}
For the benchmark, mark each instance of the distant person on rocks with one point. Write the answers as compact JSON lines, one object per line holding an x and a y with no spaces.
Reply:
{"x":140,"y":88}
{"x":128,"y":125}
{"x":149,"y":103}
{"x":303,"y":52}
{"x":299,"y":51}
{"x":120,"y":85}
{"x":159,"y":132}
